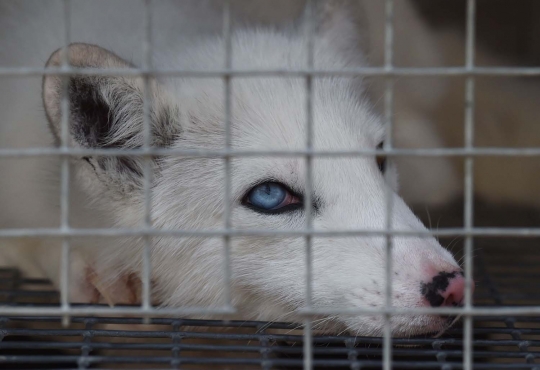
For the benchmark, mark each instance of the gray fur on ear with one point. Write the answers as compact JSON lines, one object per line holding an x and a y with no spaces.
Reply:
{"x":107,"y":112}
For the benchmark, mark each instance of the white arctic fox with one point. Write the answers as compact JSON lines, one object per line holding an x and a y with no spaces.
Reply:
{"x":268,"y":273}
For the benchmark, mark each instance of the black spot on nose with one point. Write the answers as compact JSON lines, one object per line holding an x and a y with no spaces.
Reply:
{"x":439,"y":284}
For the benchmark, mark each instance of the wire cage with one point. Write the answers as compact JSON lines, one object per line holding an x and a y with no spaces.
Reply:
{"x":497,"y":332}
{"x":498,"y":342}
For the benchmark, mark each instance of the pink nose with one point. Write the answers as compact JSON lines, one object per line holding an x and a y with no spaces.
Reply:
{"x":445,"y":289}
{"x":455,"y":293}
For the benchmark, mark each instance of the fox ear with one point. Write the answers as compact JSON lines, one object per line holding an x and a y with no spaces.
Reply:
{"x":107,"y":112}
{"x":91,"y":108}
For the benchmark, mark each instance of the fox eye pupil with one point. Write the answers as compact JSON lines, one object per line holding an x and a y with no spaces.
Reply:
{"x":267,"y":196}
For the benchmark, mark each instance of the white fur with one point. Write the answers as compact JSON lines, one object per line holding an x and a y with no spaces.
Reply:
{"x":267,"y":113}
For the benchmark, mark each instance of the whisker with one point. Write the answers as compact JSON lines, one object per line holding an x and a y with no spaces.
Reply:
{"x":445,"y":329}
{"x":268,"y":324}
{"x":429,"y":217}
{"x":301,"y":325}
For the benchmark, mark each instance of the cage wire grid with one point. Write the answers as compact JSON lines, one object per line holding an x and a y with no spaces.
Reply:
{"x":500,"y":342}
{"x":70,"y":312}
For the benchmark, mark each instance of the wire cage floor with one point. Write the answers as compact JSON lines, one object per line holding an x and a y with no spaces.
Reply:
{"x":506,"y":274}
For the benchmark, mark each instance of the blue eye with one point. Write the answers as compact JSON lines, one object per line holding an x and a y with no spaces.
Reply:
{"x":267,"y":196}
{"x":271,"y":197}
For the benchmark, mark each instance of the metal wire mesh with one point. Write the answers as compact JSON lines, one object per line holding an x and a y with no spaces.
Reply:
{"x":440,"y":353}
{"x":498,"y":342}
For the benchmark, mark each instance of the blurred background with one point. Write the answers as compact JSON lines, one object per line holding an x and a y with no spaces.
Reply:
{"x":510,"y":29}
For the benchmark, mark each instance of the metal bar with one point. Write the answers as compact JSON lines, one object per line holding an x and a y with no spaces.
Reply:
{"x":473,"y":311}
{"x":308,"y":332}
{"x":86,"y":346}
{"x":392,"y":152}
{"x":147,"y":161}
{"x":267,"y":325}
{"x":137,"y":331}
{"x":22,"y":310}
{"x":227,"y":39}
{"x":469,"y":181}
{"x":65,"y":170}
{"x":176,"y":345}
{"x":360,"y":71}
{"x":113,"y":232}
{"x":166,"y":360}
{"x":389,"y":194}
{"x":119,"y":310}
{"x":244,"y":348}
